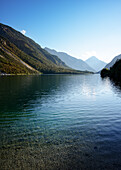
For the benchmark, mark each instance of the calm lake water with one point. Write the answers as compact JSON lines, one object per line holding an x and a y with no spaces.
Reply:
{"x":59,"y":122}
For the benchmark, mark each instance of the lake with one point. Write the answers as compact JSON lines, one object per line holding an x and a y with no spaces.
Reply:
{"x":60,"y":122}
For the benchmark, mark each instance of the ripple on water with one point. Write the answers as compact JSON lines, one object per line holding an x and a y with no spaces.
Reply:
{"x":60,"y":122}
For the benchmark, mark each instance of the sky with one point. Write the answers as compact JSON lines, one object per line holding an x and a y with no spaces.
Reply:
{"x":81,"y":28}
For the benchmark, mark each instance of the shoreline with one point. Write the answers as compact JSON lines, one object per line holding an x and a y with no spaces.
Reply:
{"x":45,"y":74}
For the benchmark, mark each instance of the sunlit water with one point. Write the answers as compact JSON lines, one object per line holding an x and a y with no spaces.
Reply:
{"x":59,"y":122}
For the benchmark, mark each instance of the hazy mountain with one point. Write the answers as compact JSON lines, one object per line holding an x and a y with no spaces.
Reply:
{"x":113,"y":61}
{"x":95,"y":63}
{"x":21,"y":55}
{"x":70,"y":61}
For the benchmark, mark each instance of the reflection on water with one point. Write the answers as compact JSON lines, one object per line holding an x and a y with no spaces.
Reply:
{"x":59,"y":122}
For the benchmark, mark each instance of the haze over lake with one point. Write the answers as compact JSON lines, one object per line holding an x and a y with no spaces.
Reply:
{"x":60,"y":122}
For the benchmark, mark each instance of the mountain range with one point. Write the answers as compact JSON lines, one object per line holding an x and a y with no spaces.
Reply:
{"x":21,"y":55}
{"x":70,"y":61}
{"x":95,"y":63}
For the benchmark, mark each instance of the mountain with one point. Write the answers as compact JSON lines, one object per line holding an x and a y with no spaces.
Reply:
{"x":114,"y":73}
{"x":21,"y":55}
{"x":10,"y":59}
{"x":113,"y":61}
{"x":70,"y":61}
{"x":95,"y":63}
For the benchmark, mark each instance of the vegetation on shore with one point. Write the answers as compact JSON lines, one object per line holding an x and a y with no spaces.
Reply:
{"x":114,"y":72}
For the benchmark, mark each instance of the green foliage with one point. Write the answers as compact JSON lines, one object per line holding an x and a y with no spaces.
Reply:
{"x":15,"y":47}
{"x":105,"y":72}
{"x":11,"y":66}
{"x":114,"y":72}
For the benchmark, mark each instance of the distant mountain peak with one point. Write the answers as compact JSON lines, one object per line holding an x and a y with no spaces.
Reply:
{"x":95,"y":63}
{"x":70,"y":61}
{"x":93,"y":57}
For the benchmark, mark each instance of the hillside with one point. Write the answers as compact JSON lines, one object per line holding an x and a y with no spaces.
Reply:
{"x":113,"y":61}
{"x":21,"y":55}
{"x":114,"y":72}
{"x":95,"y":63}
{"x":10,"y":62}
{"x":70,"y":61}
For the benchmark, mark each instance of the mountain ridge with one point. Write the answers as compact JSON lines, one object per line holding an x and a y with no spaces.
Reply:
{"x":70,"y":61}
{"x":19,"y":53}
{"x":113,"y":61}
{"x":94,"y":62}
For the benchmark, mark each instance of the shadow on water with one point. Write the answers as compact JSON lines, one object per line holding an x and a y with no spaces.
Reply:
{"x":116,"y":86}
{"x":17,"y":91}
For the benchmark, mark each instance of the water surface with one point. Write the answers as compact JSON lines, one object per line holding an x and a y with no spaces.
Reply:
{"x":60,"y":122}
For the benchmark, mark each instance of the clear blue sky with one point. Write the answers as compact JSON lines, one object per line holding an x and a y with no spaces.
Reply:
{"x":81,"y":28}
